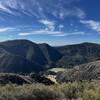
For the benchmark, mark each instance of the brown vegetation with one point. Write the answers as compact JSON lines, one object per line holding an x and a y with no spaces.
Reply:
{"x":69,"y":91}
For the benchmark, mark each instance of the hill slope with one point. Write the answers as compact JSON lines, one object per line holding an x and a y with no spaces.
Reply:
{"x":16,"y":64}
{"x":87,"y":71}
{"x":78,"y":54}
{"x":26,"y":56}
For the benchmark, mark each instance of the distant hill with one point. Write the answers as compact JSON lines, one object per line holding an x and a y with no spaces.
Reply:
{"x":21,"y":56}
{"x":89,"y":71}
{"x":24,"y":56}
{"x":78,"y":54}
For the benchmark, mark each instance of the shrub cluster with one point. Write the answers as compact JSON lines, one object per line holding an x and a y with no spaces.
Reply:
{"x":69,"y":91}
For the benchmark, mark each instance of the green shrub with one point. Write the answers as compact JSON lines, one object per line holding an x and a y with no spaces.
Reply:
{"x":69,"y":91}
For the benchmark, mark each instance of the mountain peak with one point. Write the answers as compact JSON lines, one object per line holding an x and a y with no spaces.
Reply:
{"x":18,"y":41}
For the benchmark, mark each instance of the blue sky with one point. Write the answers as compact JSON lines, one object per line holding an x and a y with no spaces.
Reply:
{"x":57,"y":22}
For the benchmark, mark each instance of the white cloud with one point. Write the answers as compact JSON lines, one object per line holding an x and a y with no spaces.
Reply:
{"x":6,"y":29}
{"x":94,"y":25}
{"x":59,"y":35}
{"x":70,"y":34}
{"x":77,"y":33}
{"x":20,"y":7}
{"x":49,"y":29}
{"x":43,"y":32}
{"x":51,"y":33}
{"x":41,"y":8}
{"x":50,"y":25}
{"x":3,"y":8}
{"x":69,"y":12}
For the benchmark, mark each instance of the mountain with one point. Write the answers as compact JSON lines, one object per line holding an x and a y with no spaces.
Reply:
{"x":78,"y":54}
{"x":51,"y":54}
{"x":16,"y":64}
{"x":25,"y":49}
{"x":20,"y":56}
{"x":88,"y":71}
{"x":24,"y":56}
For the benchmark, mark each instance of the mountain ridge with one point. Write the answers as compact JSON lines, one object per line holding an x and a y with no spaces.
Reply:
{"x":40,"y":57}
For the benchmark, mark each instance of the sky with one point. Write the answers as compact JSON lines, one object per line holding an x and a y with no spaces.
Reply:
{"x":57,"y":22}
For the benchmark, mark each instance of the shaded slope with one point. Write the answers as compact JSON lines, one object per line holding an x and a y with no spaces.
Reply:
{"x":26,"y":56}
{"x":16,"y":64}
{"x":26,"y":49}
{"x":51,"y":54}
{"x":78,"y":54}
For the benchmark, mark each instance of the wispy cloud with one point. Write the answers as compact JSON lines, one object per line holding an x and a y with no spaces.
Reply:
{"x":49,"y":29}
{"x":50,"y":25}
{"x":51,"y":33}
{"x":41,"y":32}
{"x":70,"y":12}
{"x":59,"y":35}
{"x":70,"y":34}
{"x":41,"y":8}
{"x":48,"y":14}
{"x":94,"y":25}
{"x":6,"y":29}
{"x":9,"y":7}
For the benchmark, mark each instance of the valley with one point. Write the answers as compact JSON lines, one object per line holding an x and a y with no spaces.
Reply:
{"x":44,"y":72}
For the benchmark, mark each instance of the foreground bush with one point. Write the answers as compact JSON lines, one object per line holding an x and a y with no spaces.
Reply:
{"x":69,"y":91}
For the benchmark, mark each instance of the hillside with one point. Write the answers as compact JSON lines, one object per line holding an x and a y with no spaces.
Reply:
{"x":78,"y":54}
{"x":88,"y":71}
{"x":24,"y":56}
{"x":51,"y":54}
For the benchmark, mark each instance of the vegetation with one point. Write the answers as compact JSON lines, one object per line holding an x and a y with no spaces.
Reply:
{"x":69,"y":91}
{"x":22,"y":57}
{"x":88,"y":71}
